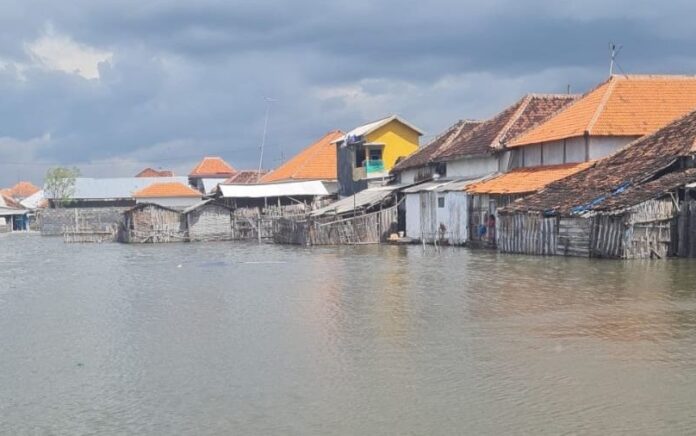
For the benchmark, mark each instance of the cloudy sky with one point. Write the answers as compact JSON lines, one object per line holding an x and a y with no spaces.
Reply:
{"x":112,"y":86}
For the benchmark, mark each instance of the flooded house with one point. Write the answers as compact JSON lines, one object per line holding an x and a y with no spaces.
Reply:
{"x":209,"y":220}
{"x":441,"y":210}
{"x":209,"y":172}
{"x":367,"y":153}
{"x":152,"y":223}
{"x":306,"y":181}
{"x":366,"y":217}
{"x":169,"y":194}
{"x":637,"y":203}
{"x":13,"y":217}
{"x":616,"y":112}
{"x":95,"y":204}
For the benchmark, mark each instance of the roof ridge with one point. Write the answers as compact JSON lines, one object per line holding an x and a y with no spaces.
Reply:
{"x":602,"y":104}
{"x":652,"y":76}
{"x":515,"y":116}
{"x":446,"y":146}
{"x":552,"y":95}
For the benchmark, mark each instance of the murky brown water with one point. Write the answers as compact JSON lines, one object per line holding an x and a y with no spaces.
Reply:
{"x":248,"y":339}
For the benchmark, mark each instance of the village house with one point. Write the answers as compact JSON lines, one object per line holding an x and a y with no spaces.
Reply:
{"x":639,"y":202}
{"x":152,"y":223}
{"x":210,"y":172}
{"x":170,"y":194}
{"x":304,"y":182}
{"x":151,"y":172}
{"x":20,"y":191}
{"x":209,"y":220}
{"x":13,"y":217}
{"x":366,"y":154}
{"x":618,"y":111}
{"x":95,"y":204}
{"x":246,"y":177}
{"x":440,"y":210}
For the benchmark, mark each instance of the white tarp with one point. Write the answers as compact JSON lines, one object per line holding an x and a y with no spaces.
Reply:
{"x":285,"y":189}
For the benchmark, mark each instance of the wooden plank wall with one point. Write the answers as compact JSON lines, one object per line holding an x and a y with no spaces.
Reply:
{"x":210,"y":222}
{"x":527,"y":234}
{"x":574,"y":237}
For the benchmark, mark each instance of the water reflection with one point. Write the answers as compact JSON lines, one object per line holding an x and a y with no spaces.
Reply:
{"x":241,"y":338}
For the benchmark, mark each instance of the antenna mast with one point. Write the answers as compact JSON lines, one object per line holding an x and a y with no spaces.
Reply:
{"x":614,"y":52}
{"x":263,"y":137}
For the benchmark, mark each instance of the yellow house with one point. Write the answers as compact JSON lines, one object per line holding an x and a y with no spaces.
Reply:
{"x":367,"y":153}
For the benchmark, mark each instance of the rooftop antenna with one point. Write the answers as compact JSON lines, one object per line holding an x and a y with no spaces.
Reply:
{"x":614,"y":50}
{"x":268,"y":101}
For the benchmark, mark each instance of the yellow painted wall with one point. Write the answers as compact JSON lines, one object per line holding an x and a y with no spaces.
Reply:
{"x":398,"y":139}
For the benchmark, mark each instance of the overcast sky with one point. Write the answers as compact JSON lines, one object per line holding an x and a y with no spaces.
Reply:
{"x":111,"y":86}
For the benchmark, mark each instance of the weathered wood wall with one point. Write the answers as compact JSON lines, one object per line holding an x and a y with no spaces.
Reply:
{"x":527,"y":233}
{"x":371,"y":228}
{"x":154,"y":224}
{"x":210,"y":222}
{"x":573,"y":237}
{"x":686,"y":230}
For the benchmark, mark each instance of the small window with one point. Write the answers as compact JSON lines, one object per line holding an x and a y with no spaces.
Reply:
{"x":440,"y":202}
{"x":375,"y":154}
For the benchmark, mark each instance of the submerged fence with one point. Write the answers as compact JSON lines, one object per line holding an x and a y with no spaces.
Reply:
{"x":370,"y":228}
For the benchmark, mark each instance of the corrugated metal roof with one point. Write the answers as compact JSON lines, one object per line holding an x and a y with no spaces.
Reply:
{"x":87,"y":188}
{"x":361,"y":200}
{"x":6,"y":211}
{"x":287,"y":189}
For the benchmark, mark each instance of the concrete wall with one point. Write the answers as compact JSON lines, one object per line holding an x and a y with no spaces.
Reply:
{"x":408,"y":176}
{"x":471,"y":168}
{"x":53,"y":221}
{"x":572,"y":150}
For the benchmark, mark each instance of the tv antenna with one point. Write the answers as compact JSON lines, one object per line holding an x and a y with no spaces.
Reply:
{"x":268,"y":101}
{"x":614,"y":51}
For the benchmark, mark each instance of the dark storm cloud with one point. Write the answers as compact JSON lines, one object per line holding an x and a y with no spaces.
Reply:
{"x":188,"y":78}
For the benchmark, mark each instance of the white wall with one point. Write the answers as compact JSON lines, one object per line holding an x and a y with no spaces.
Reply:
{"x":409,"y":175}
{"x":173,"y":202}
{"x":454,"y":216}
{"x":413,"y":229}
{"x":531,"y":156}
{"x":472,"y":168}
{"x":603,"y":146}
{"x":553,"y":153}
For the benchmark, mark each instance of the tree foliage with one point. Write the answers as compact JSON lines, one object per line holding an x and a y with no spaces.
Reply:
{"x":59,"y":185}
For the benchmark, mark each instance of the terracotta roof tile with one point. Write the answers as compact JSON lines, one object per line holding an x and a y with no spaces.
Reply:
{"x":150,"y":172}
{"x":21,"y":190}
{"x":632,"y":105}
{"x":639,"y":162}
{"x":493,"y":134}
{"x":424,"y":155}
{"x":212,"y":166}
{"x":245,"y":177}
{"x":316,"y":162}
{"x":526,"y":180}
{"x":171,"y":189}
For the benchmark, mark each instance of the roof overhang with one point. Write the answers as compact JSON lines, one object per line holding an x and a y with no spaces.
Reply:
{"x":285,"y":189}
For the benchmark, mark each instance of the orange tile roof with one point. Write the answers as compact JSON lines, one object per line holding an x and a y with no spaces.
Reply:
{"x":213,"y":166}
{"x":526,"y":180}
{"x":21,"y":190}
{"x":316,"y":162}
{"x":628,"y":105}
{"x":151,"y":172}
{"x":171,"y":189}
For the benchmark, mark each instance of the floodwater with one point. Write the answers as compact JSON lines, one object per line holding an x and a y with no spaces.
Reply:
{"x":229,"y":338}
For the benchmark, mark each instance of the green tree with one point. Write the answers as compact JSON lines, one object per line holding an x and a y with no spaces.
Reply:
{"x":59,"y":185}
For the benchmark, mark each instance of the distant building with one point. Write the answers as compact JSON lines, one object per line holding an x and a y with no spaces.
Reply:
{"x":150,"y":172}
{"x":20,"y":191}
{"x":172,"y":194}
{"x":209,"y":172}
{"x":246,"y":177}
{"x":367,"y":153}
